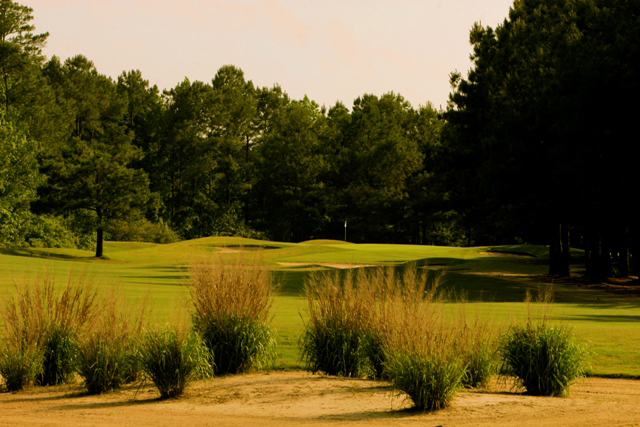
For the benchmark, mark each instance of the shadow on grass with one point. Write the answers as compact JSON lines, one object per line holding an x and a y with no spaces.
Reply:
{"x":43,"y":254}
{"x":603,"y":318}
{"x":179,"y":274}
{"x":475,"y":288}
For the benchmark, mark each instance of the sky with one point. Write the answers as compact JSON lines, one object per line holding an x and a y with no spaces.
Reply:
{"x":329,"y":50}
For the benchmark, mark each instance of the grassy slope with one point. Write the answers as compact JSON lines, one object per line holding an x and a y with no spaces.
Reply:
{"x":610,"y":324}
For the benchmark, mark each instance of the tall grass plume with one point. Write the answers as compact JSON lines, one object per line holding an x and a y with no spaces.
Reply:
{"x":108,"y":355}
{"x":335,"y":337}
{"x":542,"y":358}
{"x":231,"y":300}
{"x":173,"y":358}
{"x":45,"y":318}
{"x":392,"y":323}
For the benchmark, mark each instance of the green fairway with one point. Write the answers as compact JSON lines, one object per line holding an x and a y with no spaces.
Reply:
{"x":494,"y":283}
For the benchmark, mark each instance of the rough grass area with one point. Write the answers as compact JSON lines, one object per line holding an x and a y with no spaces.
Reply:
{"x":495,"y":285}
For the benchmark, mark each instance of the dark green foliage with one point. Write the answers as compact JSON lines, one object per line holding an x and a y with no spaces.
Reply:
{"x":19,"y":367}
{"x":92,"y":173}
{"x":237,"y":343}
{"x":534,"y":84}
{"x":141,"y":230}
{"x":545,"y":360}
{"x":19,"y":179}
{"x":59,"y":358}
{"x":172,"y":359}
{"x":430,"y":379}
{"x":48,"y":231}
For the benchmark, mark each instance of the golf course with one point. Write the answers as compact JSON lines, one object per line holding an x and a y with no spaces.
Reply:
{"x":492,"y":280}
{"x":487,"y":283}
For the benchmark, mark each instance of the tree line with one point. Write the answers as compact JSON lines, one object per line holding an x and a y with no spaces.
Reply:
{"x":532,"y":147}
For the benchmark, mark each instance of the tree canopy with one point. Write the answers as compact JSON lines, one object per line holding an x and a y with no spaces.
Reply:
{"x":534,"y":146}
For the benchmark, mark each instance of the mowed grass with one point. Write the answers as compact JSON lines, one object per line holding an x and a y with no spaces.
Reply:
{"x":493,"y":280}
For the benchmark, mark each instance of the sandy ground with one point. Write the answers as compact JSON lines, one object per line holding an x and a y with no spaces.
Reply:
{"x":324,"y":264}
{"x":297,"y":398}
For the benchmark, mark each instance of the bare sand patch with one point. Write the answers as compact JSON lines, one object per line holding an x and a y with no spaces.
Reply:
{"x":324,"y":264}
{"x":295,"y":398}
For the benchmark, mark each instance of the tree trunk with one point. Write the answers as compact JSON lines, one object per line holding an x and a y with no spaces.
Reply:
{"x":587,"y":253}
{"x":624,"y":261}
{"x":247,"y":148}
{"x":559,"y":254}
{"x":99,"y":239}
{"x":606,"y":262}
{"x":565,"y":256}
{"x":555,"y":249}
{"x":595,"y":258}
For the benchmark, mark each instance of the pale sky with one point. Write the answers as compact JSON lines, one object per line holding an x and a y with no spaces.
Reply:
{"x":329,"y":50}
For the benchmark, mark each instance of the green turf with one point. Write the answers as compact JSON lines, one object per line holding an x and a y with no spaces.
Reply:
{"x":494,"y":283}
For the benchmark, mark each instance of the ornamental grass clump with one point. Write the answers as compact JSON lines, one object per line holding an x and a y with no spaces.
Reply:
{"x":429,"y":375}
{"x":544,"y":359}
{"x":336,"y":339}
{"x":479,"y":344}
{"x":393,"y":323}
{"x":352,"y":315}
{"x":108,"y":355}
{"x":43,"y":322}
{"x":19,"y":366}
{"x":231,"y":302}
{"x":425,"y":357}
{"x":172,"y":359}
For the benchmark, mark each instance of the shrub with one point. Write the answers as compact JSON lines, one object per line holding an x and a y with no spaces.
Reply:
{"x":231,"y":308}
{"x":50,"y":321}
{"x":545,"y":360}
{"x":108,"y":357}
{"x":19,"y":367}
{"x":171,"y":359}
{"x":48,"y":231}
{"x":141,"y":230}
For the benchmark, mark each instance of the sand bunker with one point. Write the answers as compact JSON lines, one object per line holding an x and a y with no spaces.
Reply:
{"x":295,"y":398}
{"x":324,"y":264}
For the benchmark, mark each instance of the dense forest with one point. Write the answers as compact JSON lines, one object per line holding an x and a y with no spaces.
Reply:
{"x":534,"y":146}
